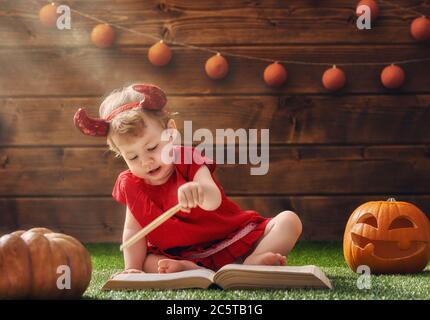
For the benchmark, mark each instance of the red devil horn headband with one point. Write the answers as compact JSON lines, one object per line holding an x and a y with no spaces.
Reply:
{"x":153,"y":99}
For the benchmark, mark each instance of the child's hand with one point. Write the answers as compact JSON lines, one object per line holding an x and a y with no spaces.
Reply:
{"x":190,"y":195}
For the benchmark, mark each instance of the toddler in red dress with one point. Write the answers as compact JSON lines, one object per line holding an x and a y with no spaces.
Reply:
{"x":210,"y":231}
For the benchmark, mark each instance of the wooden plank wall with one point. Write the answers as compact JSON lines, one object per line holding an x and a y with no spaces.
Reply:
{"x":329,"y":153}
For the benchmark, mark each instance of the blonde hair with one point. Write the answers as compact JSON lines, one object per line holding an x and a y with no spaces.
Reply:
{"x":131,"y":121}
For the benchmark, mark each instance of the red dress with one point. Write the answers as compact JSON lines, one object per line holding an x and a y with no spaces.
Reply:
{"x":210,"y":239}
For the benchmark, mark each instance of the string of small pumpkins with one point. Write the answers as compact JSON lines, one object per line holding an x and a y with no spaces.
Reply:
{"x":275,"y":74}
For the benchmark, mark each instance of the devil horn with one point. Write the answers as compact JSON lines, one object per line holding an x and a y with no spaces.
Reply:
{"x":155,"y":98}
{"x":90,"y":126}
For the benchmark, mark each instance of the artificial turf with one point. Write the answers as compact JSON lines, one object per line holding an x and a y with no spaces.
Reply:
{"x":107,"y":259}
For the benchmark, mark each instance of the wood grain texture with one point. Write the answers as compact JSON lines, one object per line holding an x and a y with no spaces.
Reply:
{"x":328,"y":152}
{"x":101,"y":219}
{"x":291,"y":171}
{"x":89,"y":71}
{"x":291,"y":119}
{"x":220,"y":23}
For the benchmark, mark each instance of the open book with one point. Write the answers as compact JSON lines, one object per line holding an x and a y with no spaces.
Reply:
{"x":230,"y":276}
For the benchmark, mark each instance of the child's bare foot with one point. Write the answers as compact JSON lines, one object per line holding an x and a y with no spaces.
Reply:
{"x":267,"y":258}
{"x":171,"y":265}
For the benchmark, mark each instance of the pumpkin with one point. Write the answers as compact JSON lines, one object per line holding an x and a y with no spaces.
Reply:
{"x":103,"y":36}
{"x":159,"y":54}
{"x":48,"y":15}
{"x":392,"y":77}
{"x":275,"y":75}
{"x":30,"y":261}
{"x":334,"y":79}
{"x":420,"y":29}
{"x":388,"y":236}
{"x":216,"y":67}
{"x":373,"y":6}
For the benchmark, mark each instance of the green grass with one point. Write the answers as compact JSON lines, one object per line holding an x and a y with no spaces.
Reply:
{"x":107,"y":259}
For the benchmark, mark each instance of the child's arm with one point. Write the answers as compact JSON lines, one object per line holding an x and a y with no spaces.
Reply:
{"x":202,"y":192}
{"x":135,"y":255}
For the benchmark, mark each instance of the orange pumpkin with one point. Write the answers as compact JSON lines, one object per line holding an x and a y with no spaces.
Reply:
{"x":334,"y":79}
{"x":420,"y":29}
{"x":159,"y":54}
{"x":30,"y":261}
{"x":275,"y":75}
{"x":48,"y":15}
{"x":103,"y":36}
{"x":387,"y":236}
{"x":216,"y":67}
{"x":392,"y":77}
{"x":373,"y":6}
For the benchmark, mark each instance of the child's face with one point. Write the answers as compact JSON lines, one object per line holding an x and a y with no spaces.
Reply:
{"x":142,"y":153}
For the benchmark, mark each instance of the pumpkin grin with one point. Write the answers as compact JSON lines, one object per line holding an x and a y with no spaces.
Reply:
{"x":388,"y":236}
{"x":384,"y":249}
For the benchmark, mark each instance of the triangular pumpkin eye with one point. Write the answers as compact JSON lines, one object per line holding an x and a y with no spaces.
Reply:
{"x":369,"y":219}
{"x":401,"y":222}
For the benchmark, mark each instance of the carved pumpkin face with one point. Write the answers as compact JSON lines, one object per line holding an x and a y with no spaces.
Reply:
{"x":388,"y":236}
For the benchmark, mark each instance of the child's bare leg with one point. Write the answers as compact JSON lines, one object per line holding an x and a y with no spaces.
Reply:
{"x":155,"y":263}
{"x":279,"y":238}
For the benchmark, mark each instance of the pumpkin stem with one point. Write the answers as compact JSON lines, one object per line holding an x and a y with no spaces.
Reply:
{"x":391,"y":200}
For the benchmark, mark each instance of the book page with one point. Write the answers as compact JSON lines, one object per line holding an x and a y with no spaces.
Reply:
{"x":203,"y":273}
{"x":289,"y":269}
{"x":238,"y":276}
{"x":198,"y":278}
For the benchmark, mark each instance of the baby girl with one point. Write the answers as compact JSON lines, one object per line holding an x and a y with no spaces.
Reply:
{"x":210,"y":230}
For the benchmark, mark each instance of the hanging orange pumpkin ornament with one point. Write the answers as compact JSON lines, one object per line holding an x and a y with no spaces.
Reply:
{"x":216,"y":67}
{"x":373,"y":6}
{"x":159,"y":54}
{"x":48,"y":15}
{"x":392,"y":77}
{"x":334,"y":79}
{"x":275,"y":74}
{"x":387,"y":236}
{"x":420,"y":29}
{"x":103,"y":35}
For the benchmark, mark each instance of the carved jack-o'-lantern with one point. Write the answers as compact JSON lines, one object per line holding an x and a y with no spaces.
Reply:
{"x":387,"y":236}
